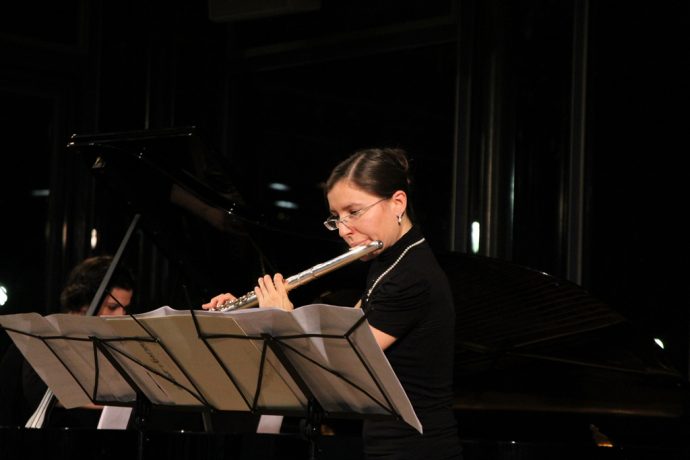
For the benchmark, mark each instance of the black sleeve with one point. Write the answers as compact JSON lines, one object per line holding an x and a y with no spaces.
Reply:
{"x":398,"y":304}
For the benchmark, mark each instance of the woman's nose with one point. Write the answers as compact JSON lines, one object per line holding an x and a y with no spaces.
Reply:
{"x":344,"y":230}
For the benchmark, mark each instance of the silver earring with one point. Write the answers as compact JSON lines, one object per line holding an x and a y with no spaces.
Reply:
{"x":399,"y":219}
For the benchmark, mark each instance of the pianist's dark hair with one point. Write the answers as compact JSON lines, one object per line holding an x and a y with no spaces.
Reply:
{"x":379,"y":171}
{"x":84,"y":279}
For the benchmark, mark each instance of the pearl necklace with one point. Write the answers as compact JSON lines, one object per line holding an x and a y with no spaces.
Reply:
{"x":418,"y":242}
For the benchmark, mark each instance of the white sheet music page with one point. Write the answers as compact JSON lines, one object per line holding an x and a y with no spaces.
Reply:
{"x":43,"y":356}
{"x":114,"y":418}
{"x":200,"y":358}
{"x":111,"y":385}
{"x":214,"y":362}
{"x":336,"y":370}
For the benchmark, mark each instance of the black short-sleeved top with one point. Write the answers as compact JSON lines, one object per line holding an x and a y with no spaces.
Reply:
{"x":413,"y":303}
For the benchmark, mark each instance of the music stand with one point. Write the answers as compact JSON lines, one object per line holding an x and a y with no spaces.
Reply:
{"x":318,"y":361}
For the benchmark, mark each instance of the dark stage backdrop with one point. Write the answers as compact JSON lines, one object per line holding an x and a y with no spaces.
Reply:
{"x":481,"y":94}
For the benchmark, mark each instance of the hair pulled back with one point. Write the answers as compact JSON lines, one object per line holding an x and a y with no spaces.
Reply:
{"x":380,"y":172}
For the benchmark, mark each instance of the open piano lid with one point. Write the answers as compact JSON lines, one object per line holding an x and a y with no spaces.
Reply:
{"x":191,"y":210}
{"x":164,"y":159}
{"x":527,"y":341}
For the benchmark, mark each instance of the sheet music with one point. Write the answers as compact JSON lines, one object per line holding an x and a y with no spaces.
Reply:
{"x":270,"y":424}
{"x":168,"y":359}
{"x":334,"y":393}
{"x":240,"y":356}
{"x":71,"y":390}
{"x":114,"y":418}
{"x":110,"y":385}
{"x":38,"y":417}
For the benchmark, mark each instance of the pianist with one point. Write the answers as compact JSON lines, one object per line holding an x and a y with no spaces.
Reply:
{"x":21,"y":389}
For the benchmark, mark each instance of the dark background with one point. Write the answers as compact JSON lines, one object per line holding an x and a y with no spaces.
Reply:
{"x":560,"y":126}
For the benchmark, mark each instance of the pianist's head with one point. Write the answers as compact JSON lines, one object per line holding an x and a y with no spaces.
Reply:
{"x":84,"y":280}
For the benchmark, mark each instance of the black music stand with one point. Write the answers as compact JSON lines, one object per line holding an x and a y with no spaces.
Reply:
{"x":318,"y":361}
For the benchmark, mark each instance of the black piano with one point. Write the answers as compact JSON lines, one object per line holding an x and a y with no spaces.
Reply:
{"x":543,"y":369}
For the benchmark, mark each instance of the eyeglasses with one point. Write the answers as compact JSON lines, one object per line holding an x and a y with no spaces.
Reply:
{"x":333,"y":222}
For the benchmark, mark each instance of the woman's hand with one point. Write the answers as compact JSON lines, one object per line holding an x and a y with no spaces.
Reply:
{"x":217,"y":301}
{"x":272,"y":292}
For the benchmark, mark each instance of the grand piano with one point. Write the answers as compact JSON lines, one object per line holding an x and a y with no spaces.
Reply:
{"x":543,"y":369}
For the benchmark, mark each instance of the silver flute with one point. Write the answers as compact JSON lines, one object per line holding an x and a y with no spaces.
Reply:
{"x":250,"y":300}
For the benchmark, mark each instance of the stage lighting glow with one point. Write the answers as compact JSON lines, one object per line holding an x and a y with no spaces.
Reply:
{"x":279,"y":186}
{"x":94,"y":238}
{"x":474,"y":234}
{"x":3,"y":295}
{"x":286,"y":204}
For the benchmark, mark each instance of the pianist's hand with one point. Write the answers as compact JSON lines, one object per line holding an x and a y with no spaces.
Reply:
{"x":272,"y":292}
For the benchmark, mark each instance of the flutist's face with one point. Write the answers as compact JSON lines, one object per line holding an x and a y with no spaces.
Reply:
{"x":378,"y":222}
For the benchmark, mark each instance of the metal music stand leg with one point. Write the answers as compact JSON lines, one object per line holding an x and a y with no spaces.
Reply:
{"x":312,"y":426}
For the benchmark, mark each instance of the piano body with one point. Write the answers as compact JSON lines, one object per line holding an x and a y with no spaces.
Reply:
{"x":543,"y":370}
